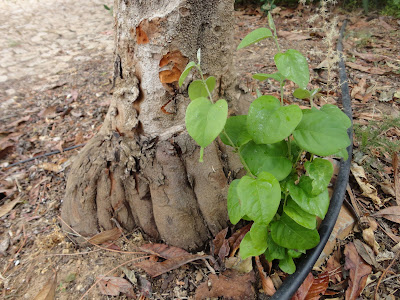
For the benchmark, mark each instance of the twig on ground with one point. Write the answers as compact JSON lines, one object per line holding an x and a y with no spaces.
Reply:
{"x":98,"y":246}
{"x":384,"y":274}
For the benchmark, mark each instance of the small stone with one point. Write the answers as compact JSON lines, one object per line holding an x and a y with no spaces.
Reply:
{"x":199,"y":277}
{"x":10,"y":92}
{"x":3,"y":78}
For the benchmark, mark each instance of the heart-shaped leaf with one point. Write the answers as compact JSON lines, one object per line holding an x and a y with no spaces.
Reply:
{"x":301,"y":93}
{"x":254,"y":37}
{"x":274,"y":251}
{"x":262,"y":76}
{"x":198,"y":89}
{"x":321,"y":132}
{"x":317,"y":205}
{"x":268,"y":122}
{"x":235,"y":211}
{"x":267,"y":158}
{"x":205,"y":120}
{"x":293,"y":65}
{"x":236,"y":130}
{"x":255,"y":241}
{"x":259,"y":197}
{"x":185,"y":72}
{"x":287,"y":233}
{"x":287,"y":264}
{"x":320,"y":171}
{"x":295,"y":253}
{"x":300,"y":216}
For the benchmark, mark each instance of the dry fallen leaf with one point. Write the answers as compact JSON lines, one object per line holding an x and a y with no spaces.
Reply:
{"x":367,"y":189}
{"x":113,"y":286}
{"x":385,"y":25}
{"x":5,"y":208}
{"x":48,"y":292}
{"x":366,"y":253}
{"x":105,"y":236}
{"x":312,"y":288}
{"x":238,"y":264}
{"x":237,"y":237}
{"x":230,"y":285}
{"x":302,"y":291}
{"x":4,"y":244}
{"x":51,"y":167}
{"x":361,"y":91}
{"x":266,"y":281}
{"x":174,"y":258}
{"x":370,"y":70}
{"x":293,"y":36}
{"x":370,"y":57}
{"x":358,"y":269}
{"x":221,"y":245}
{"x":369,"y":234}
{"x":391,"y":213}
{"x":49,"y":112}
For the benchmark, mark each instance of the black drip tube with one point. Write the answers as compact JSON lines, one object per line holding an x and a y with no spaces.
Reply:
{"x":306,"y":263}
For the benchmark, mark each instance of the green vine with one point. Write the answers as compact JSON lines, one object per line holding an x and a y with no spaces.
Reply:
{"x":270,"y":141}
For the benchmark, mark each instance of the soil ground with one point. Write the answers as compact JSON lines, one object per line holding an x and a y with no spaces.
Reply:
{"x":55,"y":81}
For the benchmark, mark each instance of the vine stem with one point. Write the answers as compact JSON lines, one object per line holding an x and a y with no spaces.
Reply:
{"x":240,"y":156}
{"x":282,"y":85}
{"x":204,"y":82}
{"x":276,"y":42}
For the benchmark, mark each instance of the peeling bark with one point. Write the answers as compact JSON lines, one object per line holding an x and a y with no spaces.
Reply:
{"x":142,"y":169}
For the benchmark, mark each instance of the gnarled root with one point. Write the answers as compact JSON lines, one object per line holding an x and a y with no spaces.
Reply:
{"x":162,"y":188}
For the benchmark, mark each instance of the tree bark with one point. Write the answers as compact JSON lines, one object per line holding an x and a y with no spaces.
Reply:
{"x":142,"y":169}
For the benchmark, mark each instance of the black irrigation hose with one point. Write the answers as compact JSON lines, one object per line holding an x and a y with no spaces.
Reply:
{"x":43,"y":155}
{"x":306,"y":263}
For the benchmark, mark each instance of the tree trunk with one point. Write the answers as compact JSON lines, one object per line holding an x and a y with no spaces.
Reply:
{"x":142,"y":169}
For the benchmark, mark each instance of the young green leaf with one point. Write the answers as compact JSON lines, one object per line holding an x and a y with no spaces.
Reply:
{"x":260,"y":197}
{"x":268,"y":122}
{"x":295,"y":253}
{"x":300,"y":216}
{"x":235,"y":211}
{"x":211,"y":82}
{"x":342,"y":153}
{"x":185,"y":72}
{"x":197,"y":89}
{"x":263,"y":76}
{"x":271,"y":23}
{"x":317,"y":205}
{"x":321,"y":132}
{"x":320,"y":171}
{"x":301,"y":93}
{"x":287,"y":264}
{"x":199,"y":56}
{"x":287,"y":233}
{"x":254,"y":242}
{"x":293,"y":65}
{"x":254,"y":37}
{"x":274,"y":251}
{"x":269,"y":158}
{"x":205,"y":120}
{"x":236,"y":130}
